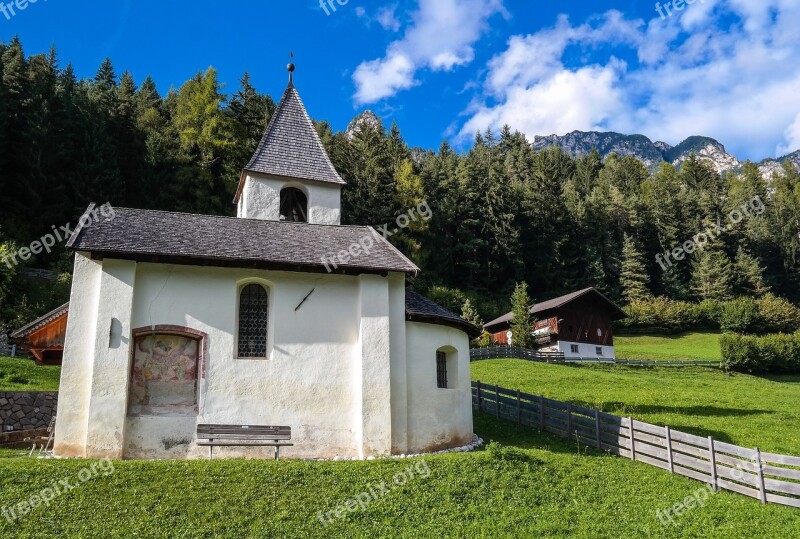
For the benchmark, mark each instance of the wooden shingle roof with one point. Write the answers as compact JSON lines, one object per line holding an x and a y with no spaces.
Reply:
{"x":615,"y":312}
{"x":421,"y":309}
{"x":291,"y":147}
{"x":205,"y":240}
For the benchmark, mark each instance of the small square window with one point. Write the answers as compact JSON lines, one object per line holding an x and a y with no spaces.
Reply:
{"x":599,"y":332}
{"x":599,"y":350}
{"x":573,"y":348}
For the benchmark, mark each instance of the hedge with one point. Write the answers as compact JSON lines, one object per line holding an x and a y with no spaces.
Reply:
{"x":769,"y":314}
{"x":771,"y":353}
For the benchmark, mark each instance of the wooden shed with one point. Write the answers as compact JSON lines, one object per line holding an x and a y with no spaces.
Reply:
{"x":44,"y":337}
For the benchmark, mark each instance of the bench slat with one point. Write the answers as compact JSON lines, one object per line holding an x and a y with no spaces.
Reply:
{"x":241,"y":428}
{"x":230,"y":444}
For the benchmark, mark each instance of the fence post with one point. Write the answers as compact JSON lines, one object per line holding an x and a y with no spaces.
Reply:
{"x":569,"y":420}
{"x":713,"y":459}
{"x":762,"y":494}
{"x":541,"y":412}
{"x":597,"y":430}
{"x":519,"y":409}
{"x":630,"y":434}
{"x":669,"y":450}
{"x":479,"y":396}
{"x":497,"y":401}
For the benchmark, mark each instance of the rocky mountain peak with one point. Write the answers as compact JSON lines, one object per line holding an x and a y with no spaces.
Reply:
{"x":364,"y":119}
{"x":652,"y":154}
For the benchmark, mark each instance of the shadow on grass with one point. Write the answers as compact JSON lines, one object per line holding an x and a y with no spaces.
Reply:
{"x":621,"y":408}
{"x":508,"y":433}
{"x":491,"y":429}
{"x":780,"y":378}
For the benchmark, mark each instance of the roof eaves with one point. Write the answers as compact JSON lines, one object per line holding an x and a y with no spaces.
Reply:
{"x":41,"y":321}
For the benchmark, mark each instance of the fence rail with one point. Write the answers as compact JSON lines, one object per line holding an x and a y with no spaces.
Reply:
{"x":512,"y":352}
{"x":768,"y":477}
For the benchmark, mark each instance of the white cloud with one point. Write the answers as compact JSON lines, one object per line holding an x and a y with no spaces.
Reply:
{"x":387,"y":19}
{"x":731,"y":79}
{"x":385,"y":16}
{"x":384,"y":77}
{"x":585,"y":99}
{"x":792,"y":139}
{"x":441,"y":37}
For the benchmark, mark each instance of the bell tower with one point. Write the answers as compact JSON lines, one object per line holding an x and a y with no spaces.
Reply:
{"x":290,"y":176}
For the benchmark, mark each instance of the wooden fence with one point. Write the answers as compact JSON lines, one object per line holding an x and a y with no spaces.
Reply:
{"x":768,"y":477}
{"x":512,"y":352}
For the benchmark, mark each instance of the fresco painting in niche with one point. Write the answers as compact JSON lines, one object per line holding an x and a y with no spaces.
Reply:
{"x":164,"y":374}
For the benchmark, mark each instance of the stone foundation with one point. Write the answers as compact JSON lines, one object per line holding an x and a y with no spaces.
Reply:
{"x":25,"y":410}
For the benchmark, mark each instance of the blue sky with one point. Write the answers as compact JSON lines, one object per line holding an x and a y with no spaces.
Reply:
{"x":446,"y":68}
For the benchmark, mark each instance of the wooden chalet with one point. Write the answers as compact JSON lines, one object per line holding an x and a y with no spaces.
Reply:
{"x":577,"y":324}
{"x":44,"y":337}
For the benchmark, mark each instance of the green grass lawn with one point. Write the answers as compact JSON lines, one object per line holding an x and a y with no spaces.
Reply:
{"x":697,"y":346}
{"x":745,"y":410}
{"x":19,"y":374}
{"x":534,"y":485}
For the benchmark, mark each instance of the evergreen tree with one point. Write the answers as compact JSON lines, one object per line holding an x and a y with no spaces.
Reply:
{"x":749,"y":275}
{"x":469,"y":314}
{"x":712,"y":275}
{"x":633,"y":277}
{"x":522,"y":321}
{"x":587,"y":172}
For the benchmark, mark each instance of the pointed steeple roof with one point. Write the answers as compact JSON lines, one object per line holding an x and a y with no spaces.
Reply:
{"x":291,"y":147}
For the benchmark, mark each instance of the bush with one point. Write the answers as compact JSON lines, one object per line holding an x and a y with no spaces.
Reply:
{"x":672,"y":316}
{"x":769,"y":314}
{"x":777,"y":315}
{"x":770,"y":353}
{"x":740,"y":316}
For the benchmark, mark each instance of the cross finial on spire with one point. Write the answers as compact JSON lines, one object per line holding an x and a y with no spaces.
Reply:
{"x":290,"y":68}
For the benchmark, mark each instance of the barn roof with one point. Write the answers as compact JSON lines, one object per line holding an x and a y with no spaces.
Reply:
{"x":182,"y":238}
{"x":561,"y":301}
{"x":421,"y":309}
{"x":40,"y":322}
{"x":291,"y":146}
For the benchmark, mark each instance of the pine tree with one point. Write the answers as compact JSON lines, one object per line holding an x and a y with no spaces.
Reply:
{"x":634,"y":279}
{"x":749,"y":274}
{"x":252,"y":112}
{"x":522,"y":321}
{"x":712,"y":275}
{"x":469,"y":314}
{"x":587,"y":172}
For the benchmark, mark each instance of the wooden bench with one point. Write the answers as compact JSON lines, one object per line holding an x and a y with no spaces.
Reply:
{"x":243,"y":436}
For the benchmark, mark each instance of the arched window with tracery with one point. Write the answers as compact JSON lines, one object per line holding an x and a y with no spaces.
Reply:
{"x":253,"y":319}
